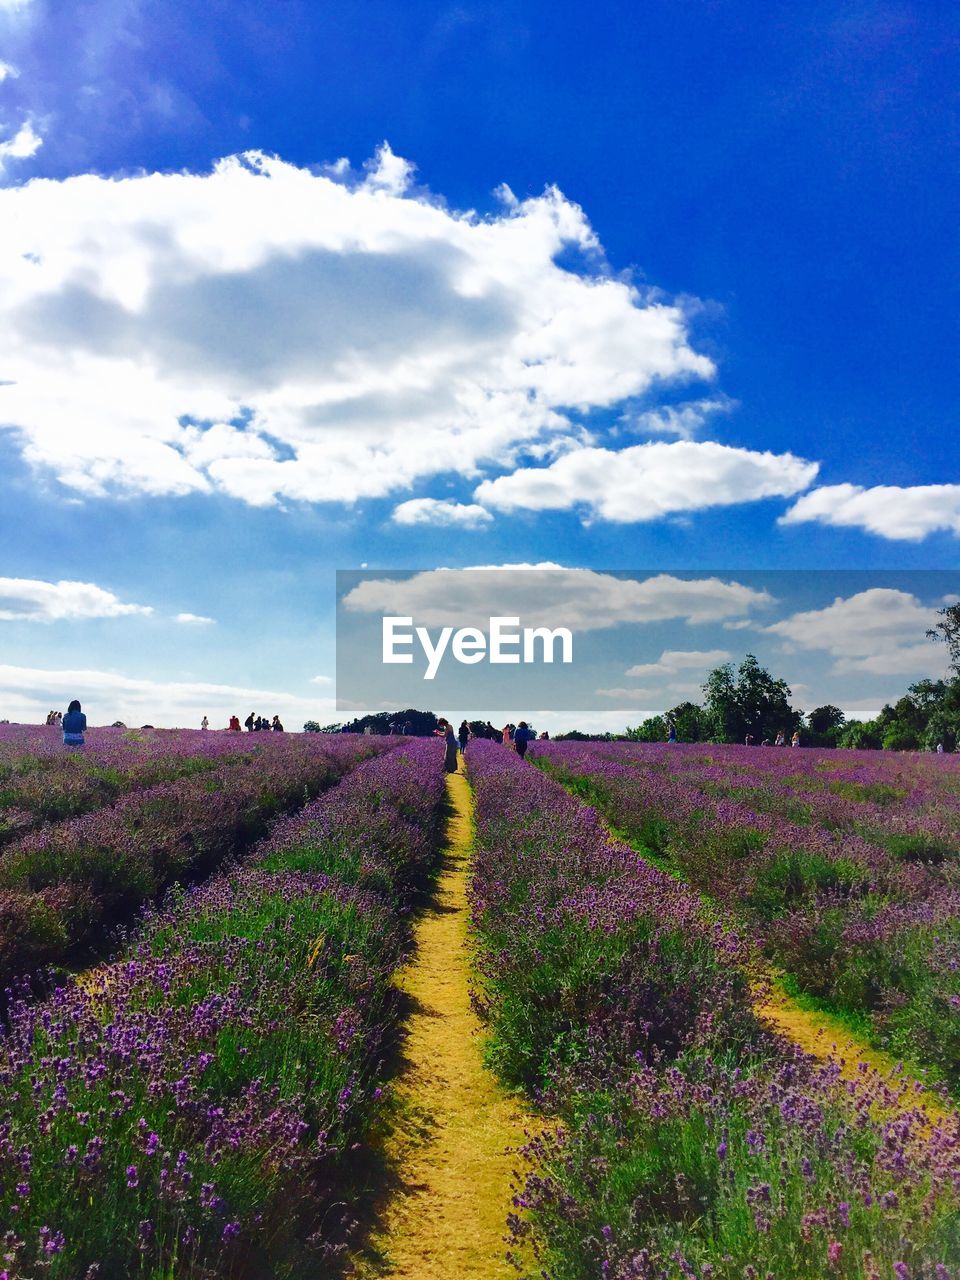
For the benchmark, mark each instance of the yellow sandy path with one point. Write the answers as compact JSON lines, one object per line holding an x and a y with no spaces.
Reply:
{"x":453,"y":1142}
{"x":826,"y":1038}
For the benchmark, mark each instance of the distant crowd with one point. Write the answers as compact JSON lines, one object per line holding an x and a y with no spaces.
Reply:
{"x":515,"y":736}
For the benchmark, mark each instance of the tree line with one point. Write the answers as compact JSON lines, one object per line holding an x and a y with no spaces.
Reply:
{"x":748,"y":701}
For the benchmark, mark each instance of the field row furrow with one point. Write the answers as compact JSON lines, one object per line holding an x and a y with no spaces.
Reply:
{"x":66,"y":885}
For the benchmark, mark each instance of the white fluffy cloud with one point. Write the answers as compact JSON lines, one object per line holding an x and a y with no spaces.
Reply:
{"x":194,"y":619}
{"x":30,"y":600}
{"x":544,"y":595}
{"x":8,"y":71}
{"x":878,"y":632}
{"x":23,"y":144}
{"x":900,"y":513}
{"x":648,"y":481}
{"x":273,"y":332}
{"x":435,"y":511}
{"x":672,"y":661}
{"x":27,"y":693}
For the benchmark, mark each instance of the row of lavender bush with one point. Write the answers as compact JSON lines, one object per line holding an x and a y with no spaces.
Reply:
{"x":849,"y":873}
{"x":64,"y":886}
{"x":690,"y":1143}
{"x":200,"y":1108}
{"x":41,"y":782}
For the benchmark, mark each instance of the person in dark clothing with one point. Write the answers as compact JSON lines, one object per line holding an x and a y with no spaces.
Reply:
{"x":444,"y":729}
{"x":248,"y":723}
{"x":521,"y":736}
{"x":74,"y":725}
{"x":464,"y":735}
{"x":277,"y":727}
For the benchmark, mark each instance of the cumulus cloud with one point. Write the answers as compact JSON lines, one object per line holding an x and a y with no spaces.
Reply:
{"x":648,"y":481}
{"x":878,"y":632}
{"x":905,"y":514}
{"x":194,"y":619}
{"x":673,"y":661}
{"x":273,"y":332}
{"x":581,"y":599}
{"x":321,"y":680}
{"x":435,"y":511}
{"x":25,"y":143}
{"x":27,"y":693}
{"x":30,"y":600}
{"x":8,"y":72}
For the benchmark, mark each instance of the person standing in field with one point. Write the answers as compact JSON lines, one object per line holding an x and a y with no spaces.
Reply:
{"x":234,"y":725}
{"x":521,"y":736}
{"x":249,"y":722}
{"x":74,"y":725}
{"x":463,"y":735}
{"x":444,"y":730}
{"x":506,"y":735}
{"x":671,"y":732}
{"x":276,"y":726}
{"x":795,"y":740}
{"x":204,"y":723}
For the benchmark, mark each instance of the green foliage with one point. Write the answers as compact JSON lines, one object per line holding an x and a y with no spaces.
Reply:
{"x":748,"y":701}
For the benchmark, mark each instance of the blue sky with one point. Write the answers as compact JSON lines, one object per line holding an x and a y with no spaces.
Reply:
{"x":727,"y":338}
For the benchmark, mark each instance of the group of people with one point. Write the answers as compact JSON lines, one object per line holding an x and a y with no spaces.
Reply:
{"x":780,"y":741}
{"x":517,"y":736}
{"x":55,"y":718}
{"x":254,"y":724}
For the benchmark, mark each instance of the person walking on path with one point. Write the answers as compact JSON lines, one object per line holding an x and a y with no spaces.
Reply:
{"x":444,"y":729}
{"x":521,"y":736}
{"x":463,"y":736}
{"x":74,"y":725}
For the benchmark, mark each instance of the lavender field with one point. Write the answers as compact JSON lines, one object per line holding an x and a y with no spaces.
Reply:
{"x":690,"y":1141}
{"x":203,"y":938}
{"x":842,"y":868}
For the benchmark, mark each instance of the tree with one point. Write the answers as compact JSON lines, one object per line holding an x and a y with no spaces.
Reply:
{"x":861,"y":735}
{"x":826,"y":719}
{"x":689,"y":720}
{"x":947,"y":630}
{"x":652,"y":730}
{"x":721,"y":712}
{"x":751,"y":702}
